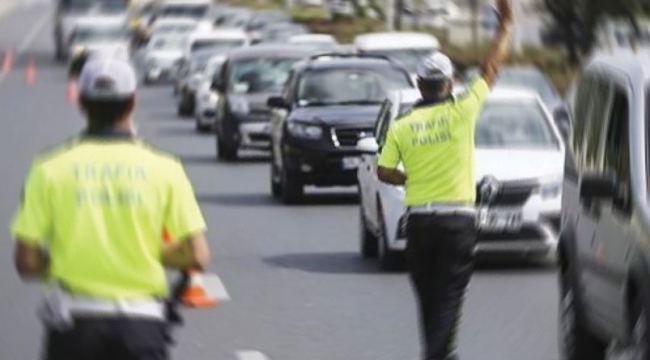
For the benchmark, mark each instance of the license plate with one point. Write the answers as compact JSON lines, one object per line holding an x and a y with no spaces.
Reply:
{"x":350,"y":163}
{"x":500,"y":220}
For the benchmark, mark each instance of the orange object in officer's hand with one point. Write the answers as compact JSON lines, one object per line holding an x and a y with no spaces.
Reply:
{"x":195,"y":295}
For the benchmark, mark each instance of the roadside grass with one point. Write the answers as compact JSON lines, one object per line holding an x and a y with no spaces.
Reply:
{"x":552,"y":61}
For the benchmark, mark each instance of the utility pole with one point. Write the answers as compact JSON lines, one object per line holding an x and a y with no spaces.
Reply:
{"x":474,"y":6}
{"x":390,"y":15}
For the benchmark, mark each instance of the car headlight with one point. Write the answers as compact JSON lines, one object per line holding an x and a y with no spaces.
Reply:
{"x":213,"y":99}
{"x":239,"y":106}
{"x":305,"y":131}
{"x":551,"y":190}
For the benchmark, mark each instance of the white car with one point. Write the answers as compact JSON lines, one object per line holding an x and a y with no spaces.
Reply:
{"x":206,"y":98}
{"x":217,"y":39}
{"x":192,"y":9}
{"x":323,"y":42}
{"x":173,"y":25}
{"x":100,"y":34}
{"x":406,"y":47}
{"x":517,"y":143}
{"x":159,"y":57}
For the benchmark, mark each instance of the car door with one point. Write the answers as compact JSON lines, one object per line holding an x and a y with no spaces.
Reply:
{"x":614,"y":237}
{"x":597,"y":90}
{"x":367,"y":171}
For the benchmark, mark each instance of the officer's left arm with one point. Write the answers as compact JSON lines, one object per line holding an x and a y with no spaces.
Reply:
{"x":389,"y":159}
{"x":32,"y":226}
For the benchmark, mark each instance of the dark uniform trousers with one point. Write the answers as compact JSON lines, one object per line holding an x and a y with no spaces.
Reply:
{"x":440,"y":254}
{"x":108,"y":339}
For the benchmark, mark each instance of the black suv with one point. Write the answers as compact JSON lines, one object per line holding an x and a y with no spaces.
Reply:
{"x":329,"y":103}
{"x":604,"y":247}
{"x":248,"y":78}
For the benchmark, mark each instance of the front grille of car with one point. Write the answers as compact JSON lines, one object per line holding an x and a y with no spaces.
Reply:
{"x":525,"y":233}
{"x":512,"y":193}
{"x":348,"y":137}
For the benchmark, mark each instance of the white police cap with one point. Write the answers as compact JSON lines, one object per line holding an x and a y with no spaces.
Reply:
{"x":107,"y":78}
{"x":436,"y":66}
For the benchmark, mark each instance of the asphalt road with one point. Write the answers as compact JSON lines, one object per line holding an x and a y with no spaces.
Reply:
{"x":298,"y":288}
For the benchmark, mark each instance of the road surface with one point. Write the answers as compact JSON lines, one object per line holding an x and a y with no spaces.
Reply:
{"x":298,"y":288}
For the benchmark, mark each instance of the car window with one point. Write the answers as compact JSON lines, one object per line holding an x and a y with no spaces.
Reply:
{"x":410,"y":58}
{"x":185,"y":10}
{"x":98,"y":34}
{"x":259,"y":75}
{"x":361,"y":85}
{"x":528,"y":79}
{"x":216,"y":44}
{"x":616,"y":160}
{"x":598,"y":104}
{"x":509,"y":125}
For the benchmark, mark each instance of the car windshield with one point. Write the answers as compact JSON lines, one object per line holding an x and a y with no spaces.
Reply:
{"x":99,"y":34}
{"x":174,"y":28}
{"x":339,"y":86}
{"x":410,"y":58}
{"x":113,"y":6}
{"x":528,"y":79}
{"x":167,"y":43}
{"x":508,"y":124}
{"x":281,"y":34}
{"x":192,"y":11}
{"x":199,"y":63}
{"x":260,"y":75}
{"x":217,"y":44}
{"x":76,"y":6}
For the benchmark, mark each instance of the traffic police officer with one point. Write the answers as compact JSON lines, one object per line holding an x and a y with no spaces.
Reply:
{"x":435,"y":144}
{"x":90,"y":226}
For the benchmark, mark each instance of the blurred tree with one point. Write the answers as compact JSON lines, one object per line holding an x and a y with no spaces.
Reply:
{"x":575,"y":22}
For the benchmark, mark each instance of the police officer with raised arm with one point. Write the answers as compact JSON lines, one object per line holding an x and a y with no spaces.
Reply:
{"x":90,"y":227}
{"x":435,"y":144}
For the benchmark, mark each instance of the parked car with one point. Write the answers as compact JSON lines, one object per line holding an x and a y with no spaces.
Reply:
{"x":406,"y":47}
{"x":604,"y":257}
{"x":206,"y":99}
{"x":249,"y":77}
{"x":517,"y":143}
{"x":159,"y":56}
{"x":329,"y":103}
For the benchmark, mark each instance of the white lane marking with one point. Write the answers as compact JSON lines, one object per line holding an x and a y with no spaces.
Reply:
{"x":215,"y":288}
{"x":251,"y":355}
{"x":31,"y":36}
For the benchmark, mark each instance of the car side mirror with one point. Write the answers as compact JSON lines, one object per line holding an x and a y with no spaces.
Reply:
{"x":597,"y":186}
{"x":368,"y":146}
{"x":277,"y":102}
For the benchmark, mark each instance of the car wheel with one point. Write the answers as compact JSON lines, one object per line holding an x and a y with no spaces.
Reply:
{"x":276,"y":184}
{"x":368,"y":241}
{"x":201,"y":128}
{"x":226,"y":151}
{"x":291,"y":188}
{"x":389,"y":260}
{"x":576,"y":342}
{"x":640,"y":318}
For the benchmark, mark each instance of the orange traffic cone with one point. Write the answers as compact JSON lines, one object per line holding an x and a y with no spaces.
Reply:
{"x":195,"y":296}
{"x":72,"y":91}
{"x":8,"y":61}
{"x":30,"y":72}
